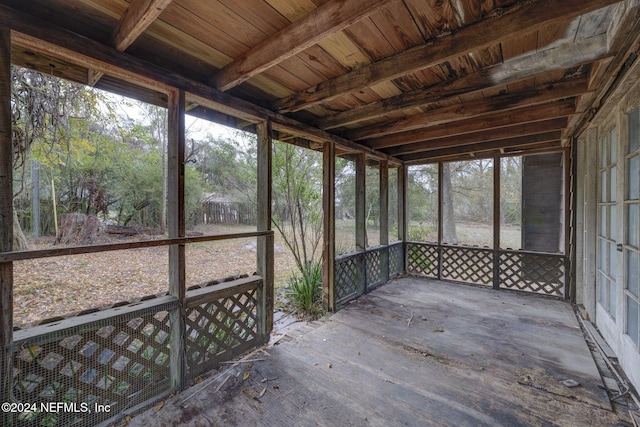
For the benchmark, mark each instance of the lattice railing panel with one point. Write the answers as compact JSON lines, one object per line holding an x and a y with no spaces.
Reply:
{"x":465,"y":264}
{"x":396,"y":260}
{"x":116,"y":362}
{"x":221,"y":329}
{"x":347,"y":277}
{"x":539,"y":273}
{"x":422,"y":258}
{"x":375,"y":274}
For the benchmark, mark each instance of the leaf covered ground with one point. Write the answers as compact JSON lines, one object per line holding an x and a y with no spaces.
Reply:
{"x":59,"y":286}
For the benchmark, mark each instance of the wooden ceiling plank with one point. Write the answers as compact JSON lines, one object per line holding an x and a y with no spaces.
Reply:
{"x":521,"y":141}
{"x":521,"y":19}
{"x":139,"y":15}
{"x":511,"y":71}
{"x":479,"y":107}
{"x":45,"y":37}
{"x":506,"y":132}
{"x":488,"y":153}
{"x":500,"y":119}
{"x":135,"y":20}
{"x":328,"y":19}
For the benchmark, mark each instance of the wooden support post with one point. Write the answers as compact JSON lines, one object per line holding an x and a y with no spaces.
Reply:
{"x":6,"y":225}
{"x":329,"y":226}
{"x":361,"y":230}
{"x":403,"y":179}
{"x":440,"y":219}
{"x":384,"y":218}
{"x":265,"y":243}
{"x":496,"y":222}
{"x":574,"y":220}
{"x":569,"y":293}
{"x":176,"y":226}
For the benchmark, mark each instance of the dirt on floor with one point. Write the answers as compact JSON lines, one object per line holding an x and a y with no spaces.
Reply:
{"x":59,"y":286}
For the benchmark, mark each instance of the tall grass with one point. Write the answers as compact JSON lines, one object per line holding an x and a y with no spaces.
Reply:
{"x":304,"y":290}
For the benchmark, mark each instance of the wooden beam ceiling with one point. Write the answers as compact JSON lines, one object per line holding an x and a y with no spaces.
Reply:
{"x":518,"y":142}
{"x":484,"y":106}
{"x":506,"y":118}
{"x":560,"y":58}
{"x":517,"y":21}
{"x":135,"y":20}
{"x":329,"y":18}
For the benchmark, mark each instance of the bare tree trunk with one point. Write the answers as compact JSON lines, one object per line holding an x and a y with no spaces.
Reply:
{"x":449,"y":234}
{"x":19,"y":241}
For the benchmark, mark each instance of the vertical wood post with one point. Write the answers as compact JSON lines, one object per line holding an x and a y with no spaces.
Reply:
{"x":569,"y":293}
{"x":361,"y":236}
{"x":440,"y":219}
{"x":384,"y":218}
{"x":329,"y":226}
{"x":265,"y":243}
{"x":176,"y":226}
{"x":573,"y":283}
{"x":403,"y":179}
{"x":496,"y":222}
{"x":6,"y":224}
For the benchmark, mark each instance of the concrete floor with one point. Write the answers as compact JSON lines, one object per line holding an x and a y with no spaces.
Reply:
{"x":469,"y":356}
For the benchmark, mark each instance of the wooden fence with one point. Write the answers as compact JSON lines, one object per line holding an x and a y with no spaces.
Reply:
{"x":227,"y":213}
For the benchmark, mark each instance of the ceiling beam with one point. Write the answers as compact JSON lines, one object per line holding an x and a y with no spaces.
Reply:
{"x":137,"y":18}
{"x":520,"y":141}
{"x":329,"y":18}
{"x":505,"y":118}
{"x":521,"y":19}
{"x":44,"y":37}
{"x":506,"y":132}
{"x":535,"y":65}
{"x":486,"y":153}
{"x":488,"y":105}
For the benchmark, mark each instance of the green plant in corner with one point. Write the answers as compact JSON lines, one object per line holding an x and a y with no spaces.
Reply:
{"x":304,"y":290}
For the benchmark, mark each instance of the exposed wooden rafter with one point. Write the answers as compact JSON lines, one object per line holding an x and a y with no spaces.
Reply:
{"x":519,"y":20}
{"x":331,"y":17}
{"x":138,"y":16}
{"x":506,"y":118}
{"x":484,"y":106}
{"x":536,"y":65}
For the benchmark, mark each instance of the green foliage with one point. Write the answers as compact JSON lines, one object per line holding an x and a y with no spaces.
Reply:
{"x":422,"y":233}
{"x":297,"y":200}
{"x":304,"y":290}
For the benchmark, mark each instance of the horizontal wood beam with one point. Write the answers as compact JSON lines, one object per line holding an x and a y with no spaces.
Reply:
{"x":523,"y":150}
{"x":521,"y":141}
{"x":135,"y":20}
{"x":536,"y":65}
{"x":44,"y":37}
{"x":505,"y":118}
{"x":329,"y":18}
{"x":488,"y":105}
{"x":459,"y":141}
{"x":138,"y":16}
{"x":521,"y":19}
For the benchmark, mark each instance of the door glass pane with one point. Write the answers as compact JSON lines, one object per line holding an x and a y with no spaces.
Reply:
{"x":632,"y":272}
{"x":612,"y":298}
{"x":634,"y":127}
{"x":633,"y":178}
{"x":614,"y":143}
{"x":603,"y":221}
{"x":603,"y":255}
{"x":603,"y":152}
{"x":612,"y":260}
{"x":613,"y":230}
{"x":632,"y":319}
{"x":632,"y":225}
{"x":612,"y":186}
{"x":603,"y":186}
{"x":602,"y":282}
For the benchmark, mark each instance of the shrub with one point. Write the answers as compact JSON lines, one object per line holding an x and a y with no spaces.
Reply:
{"x":304,"y":290}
